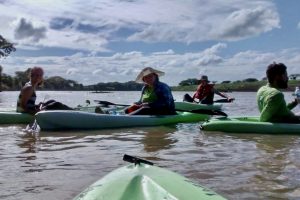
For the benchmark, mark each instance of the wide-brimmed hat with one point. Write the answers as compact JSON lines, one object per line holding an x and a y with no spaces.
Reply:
{"x":204,"y":78}
{"x":146,"y":71}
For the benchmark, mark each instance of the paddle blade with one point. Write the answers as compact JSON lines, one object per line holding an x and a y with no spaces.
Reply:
{"x":224,"y":100}
{"x":107,"y":103}
{"x":135,"y":160}
{"x":207,"y":112}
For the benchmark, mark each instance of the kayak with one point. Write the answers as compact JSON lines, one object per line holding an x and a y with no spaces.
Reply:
{"x":60,"y":120}
{"x":145,"y":182}
{"x":12,"y":117}
{"x":249,"y":125}
{"x":196,"y":106}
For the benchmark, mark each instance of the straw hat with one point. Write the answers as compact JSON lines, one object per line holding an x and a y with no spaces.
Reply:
{"x":146,"y":71}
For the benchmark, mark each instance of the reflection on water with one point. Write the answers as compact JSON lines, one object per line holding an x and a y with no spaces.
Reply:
{"x":158,"y":139}
{"x":59,"y":165}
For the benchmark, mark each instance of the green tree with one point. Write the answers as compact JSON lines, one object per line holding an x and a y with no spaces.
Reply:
{"x":250,"y":80}
{"x":5,"y":49}
{"x":190,"y":81}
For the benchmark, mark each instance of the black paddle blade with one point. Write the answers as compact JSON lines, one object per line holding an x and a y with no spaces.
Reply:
{"x":135,"y":160}
{"x":207,"y":112}
{"x":107,"y":103}
{"x":224,"y":100}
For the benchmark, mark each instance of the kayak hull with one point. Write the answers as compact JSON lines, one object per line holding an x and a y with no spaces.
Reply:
{"x":188,"y":106}
{"x":63,"y":120}
{"x":249,"y":125}
{"x":145,"y":182}
{"x":12,"y":117}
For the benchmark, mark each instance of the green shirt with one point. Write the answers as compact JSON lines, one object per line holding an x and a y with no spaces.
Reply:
{"x":272,"y":105}
{"x":149,"y":95}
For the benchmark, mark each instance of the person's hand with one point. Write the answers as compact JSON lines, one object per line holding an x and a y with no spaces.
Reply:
{"x":41,"y":106}
{"x":145,"y":105}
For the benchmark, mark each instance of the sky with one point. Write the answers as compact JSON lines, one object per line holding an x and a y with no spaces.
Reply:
{"x":113,"y":40}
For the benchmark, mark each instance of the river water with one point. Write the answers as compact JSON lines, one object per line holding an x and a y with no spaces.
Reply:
{"x":59,"y":165}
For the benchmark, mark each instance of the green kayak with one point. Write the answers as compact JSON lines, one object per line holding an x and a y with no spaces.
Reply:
{"x":142,"y":181}
{"x":249,"y":125}
{"x":12,"y":117}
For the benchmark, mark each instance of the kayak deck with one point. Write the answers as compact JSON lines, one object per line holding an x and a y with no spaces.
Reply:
{"x":145,"y":182}
{"x":249,"y":125}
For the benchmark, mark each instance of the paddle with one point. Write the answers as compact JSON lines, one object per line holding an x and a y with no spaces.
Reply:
{"x":197,"y":111}
{"x":107,"y":103}
{"x":135,"y":160}
{"x":224,"y":100}
{"x":204,"y":111}
{"x":34,"y":127}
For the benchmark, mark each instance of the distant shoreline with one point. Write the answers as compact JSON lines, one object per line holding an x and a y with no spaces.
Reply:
{"x":239,"y":86}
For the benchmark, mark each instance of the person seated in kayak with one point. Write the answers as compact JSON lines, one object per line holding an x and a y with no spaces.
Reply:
{"x":27,"y":96}
{"x":270,"y":99}
{"x":156,"y":97}
{"x":205,"y":93}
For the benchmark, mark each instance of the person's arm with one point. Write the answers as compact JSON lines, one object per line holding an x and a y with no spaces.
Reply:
{"x":292,"y":105}
{"x":223,"y":95}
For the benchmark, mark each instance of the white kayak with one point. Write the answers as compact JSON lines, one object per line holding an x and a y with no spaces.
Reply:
{"x":12,"y":117}
{"x":196,"y":106}
{"x":63,"y":120}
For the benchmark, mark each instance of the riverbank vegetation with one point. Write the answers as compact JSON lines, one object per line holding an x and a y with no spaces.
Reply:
{"x":13,"y":83}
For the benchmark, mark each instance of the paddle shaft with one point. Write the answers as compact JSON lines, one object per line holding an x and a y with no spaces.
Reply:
{"x":203,"y":111}
{"x":198,"y":111}
{"x":107,"y":103}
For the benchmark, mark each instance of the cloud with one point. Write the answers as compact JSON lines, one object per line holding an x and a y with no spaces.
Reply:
{"x":298,"y":25}
{"x":25,"y":30}
{"x":93,"y":69}
{"x":72,"y":71}
{"x":59,"y":23}
{"x":247,"y":22}
{"x":92,"y":25}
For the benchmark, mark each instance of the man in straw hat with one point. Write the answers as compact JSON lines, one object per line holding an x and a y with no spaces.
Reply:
{"x":156,"y":97}
{"x":205,"y":93}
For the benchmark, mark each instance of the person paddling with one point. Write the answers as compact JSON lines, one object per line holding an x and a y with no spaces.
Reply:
{"x":270,"y":99}
{"x":156,"y":97}
{"x":205,"y":93}
{"x":27,"y":96}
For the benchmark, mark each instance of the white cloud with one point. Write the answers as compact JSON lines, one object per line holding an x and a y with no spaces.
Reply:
{"x":93,"y":24}
{"x":178,"y":67}
{"x":247,"y":22}
{"x":298,"y":26}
